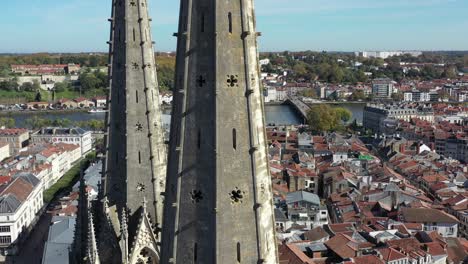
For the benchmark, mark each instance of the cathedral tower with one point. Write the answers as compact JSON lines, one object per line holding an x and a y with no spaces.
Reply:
{"x":134,"y":169}
{"x":218,"y":199}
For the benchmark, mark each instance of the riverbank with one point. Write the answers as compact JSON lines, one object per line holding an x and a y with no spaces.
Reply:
{"x":277,"y":113}
{"x":45,"y":111}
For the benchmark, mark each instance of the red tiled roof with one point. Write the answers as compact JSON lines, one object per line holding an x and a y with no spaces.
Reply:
{"x":4,"y":179}
{"x":435,"y":249}
{"x":405,"y":244}
{"x":291,"y":254}
{"x":20,"y":188}
{"x":369,"y":259}
{"x":390,"y":254}
{"x":343,"y":246}
{"x":49,"y":152}
{"x":12,"y":131}
{"x":67,"y":147}
{"x":413,"y":226}
{"x":81,"y":99}
{"x":434,"y":178}
{"x":340,"y":228}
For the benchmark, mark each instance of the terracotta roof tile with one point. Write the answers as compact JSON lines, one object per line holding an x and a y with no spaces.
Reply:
{"x":390,"y":254}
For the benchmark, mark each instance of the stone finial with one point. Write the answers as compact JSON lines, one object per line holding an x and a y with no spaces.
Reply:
{"x":124,"y":226}
{"x":144,"y":203}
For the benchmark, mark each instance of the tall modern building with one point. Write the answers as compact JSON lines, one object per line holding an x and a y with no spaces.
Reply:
{"x":135,"y":163}
{"x":218,"y":199}
{"x":382,"y":88}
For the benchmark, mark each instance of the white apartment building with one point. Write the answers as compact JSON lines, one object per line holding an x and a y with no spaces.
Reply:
{"x":304,"y":208}
{"x":76,"y":136}
{"x":53,"y":162}
{"x":386,"y":54}
{"x":60,"y":161}
{"x":432,"y":220}
{"x":375,"y":114}
{"x":4,"y":150}
{"x":20,"y":201}
{"x":100,"y":101}
{"x":17,"y":138}
{"x":270,"y":94}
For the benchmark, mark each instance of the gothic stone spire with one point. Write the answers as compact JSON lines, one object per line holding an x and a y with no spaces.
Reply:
{"x":134,"y":168}
{"x":218,"y":206}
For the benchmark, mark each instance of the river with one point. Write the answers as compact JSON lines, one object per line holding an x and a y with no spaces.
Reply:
{"x":274,"y":114}
{"x":285,"y":115}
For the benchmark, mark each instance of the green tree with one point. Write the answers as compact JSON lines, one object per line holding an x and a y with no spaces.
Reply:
{"x":450,"y":72}
{"x":38,"y":97}
{"x":89,"y":81}
{"x":62,"y":87}
{"x":300,"y":70}
{"x":310,"y":93}
{"x":343,"y":114}
{"x":62,"y":122}
{"x":11,"y":85}
{"x":397,"y":97}
{"x":36,"y":122}
{"x":357,"y":95}
{"x":322,"y":118}
{"x":336,"y":74}
{"x":361,"y":76}
{"x":96,"y":125}
{"x":7,"y":122}
{"x":268,"y":68}
{"x":27,"y":86}
{"x":36,"y":85}
{"x":102,"y":77}
{"x":166,"y":77}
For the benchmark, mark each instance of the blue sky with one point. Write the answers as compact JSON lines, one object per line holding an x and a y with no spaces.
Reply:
{"x":333,"y":25}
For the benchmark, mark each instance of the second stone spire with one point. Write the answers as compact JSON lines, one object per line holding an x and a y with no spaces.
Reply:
{"x":218,"y":206}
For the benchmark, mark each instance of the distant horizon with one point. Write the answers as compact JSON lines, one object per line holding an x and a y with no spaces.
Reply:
{"x":32,"y":26}
{"x":271,"y":51}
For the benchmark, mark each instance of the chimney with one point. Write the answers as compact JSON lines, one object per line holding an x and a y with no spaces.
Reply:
{"x":402,"y":148}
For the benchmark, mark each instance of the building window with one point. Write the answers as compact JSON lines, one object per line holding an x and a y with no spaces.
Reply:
{"x":234,"y":139}
{"x":4,"y":229}
{"x":5,"y":239}
{"x":199,"y":139}
{"x":195,"y":253}
{"x":451,"y":231}
{"x":230,"y":22}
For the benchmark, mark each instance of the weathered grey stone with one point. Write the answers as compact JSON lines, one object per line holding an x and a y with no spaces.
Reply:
{"x":218,"y":206}
{"x":135,"y":164}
